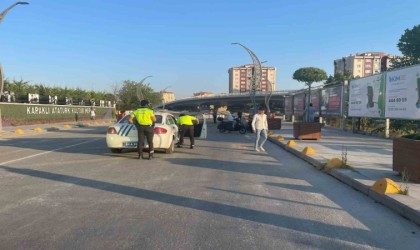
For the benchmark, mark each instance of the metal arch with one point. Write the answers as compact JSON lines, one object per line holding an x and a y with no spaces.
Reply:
{"x":268,"y":94}
{"x":139,"y":90}
{"x":256,"y":75}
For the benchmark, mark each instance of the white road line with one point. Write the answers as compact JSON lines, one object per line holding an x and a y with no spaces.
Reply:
{"x":47,"y":152}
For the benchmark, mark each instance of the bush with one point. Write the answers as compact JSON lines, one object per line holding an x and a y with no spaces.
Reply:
{"x":412,"y":136}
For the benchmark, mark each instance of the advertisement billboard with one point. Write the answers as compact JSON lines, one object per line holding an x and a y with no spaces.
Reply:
{"x":366,"y":97}
{"x":331,"y":101}
{"x":403,"y":93}
{"x":316,"y":100}
{"x":288,"y":105}
{"x":299,"y":104}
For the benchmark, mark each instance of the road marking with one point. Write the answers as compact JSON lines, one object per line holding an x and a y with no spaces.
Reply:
{"x":47,"y":152}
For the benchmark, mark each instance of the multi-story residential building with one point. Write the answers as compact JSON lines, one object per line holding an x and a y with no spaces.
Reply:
{"x":167,"y":96}
{"x":240,"y":78}
{"x":365,"y":64}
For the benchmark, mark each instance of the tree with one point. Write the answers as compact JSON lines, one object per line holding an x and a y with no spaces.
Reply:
{"x":308,"y":76}
{"x":128,"y":95}
{"x":409,"y":45}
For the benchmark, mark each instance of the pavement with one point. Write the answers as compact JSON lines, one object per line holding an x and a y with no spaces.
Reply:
{"x":12,"y":131}
{"x":369,"y":158}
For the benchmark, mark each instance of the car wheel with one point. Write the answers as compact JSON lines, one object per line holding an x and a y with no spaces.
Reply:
{"x":171,"y":148}
{"x":242,"y":130}
{"x":116,"y":150}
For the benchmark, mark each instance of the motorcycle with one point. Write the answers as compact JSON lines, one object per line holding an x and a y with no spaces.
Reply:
{"x":228,"y":126}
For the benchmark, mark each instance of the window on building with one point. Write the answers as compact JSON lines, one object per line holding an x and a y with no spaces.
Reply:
{"x":368,"y":66}
{"x":367,"y":71}
{"x":368,"y":60}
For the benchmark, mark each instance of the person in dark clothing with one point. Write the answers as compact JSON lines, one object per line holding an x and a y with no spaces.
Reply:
{"x":186,"y":123}
{"x":144,"y":124}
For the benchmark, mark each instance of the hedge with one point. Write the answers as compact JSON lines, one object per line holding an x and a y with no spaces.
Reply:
{"x":13,"y":114}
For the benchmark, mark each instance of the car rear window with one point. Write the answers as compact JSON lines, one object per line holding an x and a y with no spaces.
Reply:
{"x":125,"y":119}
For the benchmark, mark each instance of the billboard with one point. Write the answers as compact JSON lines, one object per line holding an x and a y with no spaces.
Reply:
{"x":366,"y":97}
{"x":403,"y":93}
{"x":299,"y":104}
{"x":331,"y":101}
{"x":288,"y":105}
{"x":316,"y":100}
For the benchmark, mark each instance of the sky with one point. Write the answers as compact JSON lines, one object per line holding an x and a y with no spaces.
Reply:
{"x":186,"y":45}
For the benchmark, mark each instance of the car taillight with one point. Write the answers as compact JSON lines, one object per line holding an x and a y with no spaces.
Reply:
{"x":111,"y":130}
{"x":160,"y":131}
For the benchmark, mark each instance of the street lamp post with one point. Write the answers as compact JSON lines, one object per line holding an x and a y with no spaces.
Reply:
{"x":140,"y":88}
{"x":256,"y":75}
{"x":2,"y":15}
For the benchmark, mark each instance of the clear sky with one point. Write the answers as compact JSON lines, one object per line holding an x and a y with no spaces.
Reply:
{"x":186,"y":44}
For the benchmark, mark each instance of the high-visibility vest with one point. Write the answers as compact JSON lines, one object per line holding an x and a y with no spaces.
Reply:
{"x":143,"y":116}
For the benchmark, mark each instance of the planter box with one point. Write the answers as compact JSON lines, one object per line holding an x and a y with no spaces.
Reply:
{"x":274,"y":123}
{"x":307,"y":130}
{"x":406,"y":155}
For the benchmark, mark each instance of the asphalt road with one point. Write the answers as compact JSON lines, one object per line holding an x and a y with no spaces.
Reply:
{"x":65,"y":190}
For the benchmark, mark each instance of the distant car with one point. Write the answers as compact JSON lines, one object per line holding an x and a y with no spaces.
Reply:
{"x":123,"y":135}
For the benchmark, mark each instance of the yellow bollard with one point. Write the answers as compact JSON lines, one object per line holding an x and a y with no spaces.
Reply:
{"x":308,"y":151}
{"x":280,"y":138}
{"x":334,"y":163}
{"x":19,"y":131}
{"x":291,"y":143}
{"x":386,"y":186}
{"x":38,"y":129}
{"x":67,"y":126}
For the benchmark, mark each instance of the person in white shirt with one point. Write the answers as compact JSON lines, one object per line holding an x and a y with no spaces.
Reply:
{"x":260,"y":127}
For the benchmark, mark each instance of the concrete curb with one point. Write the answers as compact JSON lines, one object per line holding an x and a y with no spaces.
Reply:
{"x":396,"y":202}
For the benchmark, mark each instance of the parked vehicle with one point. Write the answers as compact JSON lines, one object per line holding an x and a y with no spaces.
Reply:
{"x":123,"y":135}
{"x":236,"y":125}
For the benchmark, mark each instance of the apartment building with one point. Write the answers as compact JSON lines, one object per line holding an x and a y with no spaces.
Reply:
{"x":167,"y":96}
{"x":240,"y":78}
{"x":365,"y":64}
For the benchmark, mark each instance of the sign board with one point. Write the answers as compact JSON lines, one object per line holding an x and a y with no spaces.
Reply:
{"x":403,"y":93}
{"x":315,"y":100}
{"x":331,"y":101}
{"x":366,"y":98}
{"x":299,"y":104}
{"x":288,"y":105}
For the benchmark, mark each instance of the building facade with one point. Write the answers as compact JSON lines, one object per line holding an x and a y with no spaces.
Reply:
{"x":167,"y":96}
{"x":365,"y":64}
{"x":240,"y":78}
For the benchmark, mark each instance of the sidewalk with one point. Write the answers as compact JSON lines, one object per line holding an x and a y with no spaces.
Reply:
{"x":10,"y":131}
{"x":370,"y":159}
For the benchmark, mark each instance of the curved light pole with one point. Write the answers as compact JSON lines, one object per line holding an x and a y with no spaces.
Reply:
{"x":256,"y":75}
{"x":139,"y":89}
{"x":2,"y":15}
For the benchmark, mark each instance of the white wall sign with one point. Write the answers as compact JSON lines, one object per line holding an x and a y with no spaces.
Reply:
{"x":366,"y":97}
{"x":403,"y":93}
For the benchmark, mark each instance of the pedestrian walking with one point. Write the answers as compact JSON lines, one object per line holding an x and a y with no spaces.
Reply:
{"x":144,"y":120}
{"x":186,"y":123}
{"x":311,"y":113}
{"x":214,"y":115}
{"x":92,"y":114}
{"x":260,"y":127}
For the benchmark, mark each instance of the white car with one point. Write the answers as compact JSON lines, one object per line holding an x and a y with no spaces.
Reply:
{"x":123,"y":135}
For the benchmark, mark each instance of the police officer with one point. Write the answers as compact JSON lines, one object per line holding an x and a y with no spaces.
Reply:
{"x":144,"y":124}
{"x":187,"y":126}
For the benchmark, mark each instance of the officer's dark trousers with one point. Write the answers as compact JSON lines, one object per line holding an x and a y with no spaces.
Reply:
{"x":145,"y":131}
{"x":187,"y":130}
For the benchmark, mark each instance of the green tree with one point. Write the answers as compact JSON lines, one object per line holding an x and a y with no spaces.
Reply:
{"x":409,"y":45}
{"x":128,"y":94}
{"x":309,"y":75}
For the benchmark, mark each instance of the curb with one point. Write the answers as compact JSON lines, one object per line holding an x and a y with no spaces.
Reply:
{"x":395,"y":202}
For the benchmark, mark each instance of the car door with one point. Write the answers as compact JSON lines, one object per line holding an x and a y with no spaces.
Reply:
{"x":171,"y":121}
